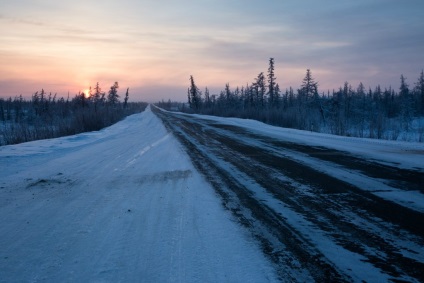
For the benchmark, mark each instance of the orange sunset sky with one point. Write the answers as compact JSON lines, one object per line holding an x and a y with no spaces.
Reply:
{"x":153,"y":47}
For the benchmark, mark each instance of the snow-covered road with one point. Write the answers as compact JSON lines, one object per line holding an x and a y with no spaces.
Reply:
{"x":324,"y":208}
{"x":121,"y":205}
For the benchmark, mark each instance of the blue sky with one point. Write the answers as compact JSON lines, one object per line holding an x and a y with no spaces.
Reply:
{"x":153,"y":47}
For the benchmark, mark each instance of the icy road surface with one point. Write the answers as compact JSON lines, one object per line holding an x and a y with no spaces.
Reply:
{"x":121,"y":205}
{"x":324,"y":208}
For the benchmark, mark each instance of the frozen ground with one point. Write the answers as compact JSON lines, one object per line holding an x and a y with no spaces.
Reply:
{"x":121,"y":205}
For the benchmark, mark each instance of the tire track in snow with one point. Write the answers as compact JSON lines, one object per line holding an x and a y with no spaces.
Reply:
{"x":346,"y":217}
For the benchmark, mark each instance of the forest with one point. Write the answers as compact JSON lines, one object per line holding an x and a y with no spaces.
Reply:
{"x":349,"y":111}
{"x":46,"y":116}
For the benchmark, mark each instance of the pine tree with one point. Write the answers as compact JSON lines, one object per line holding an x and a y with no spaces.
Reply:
{"x":404,"y":88}
{"x":247,"y":96}
{"x":237,"y":93}
{"x":271,"y":84}
{"x":207,"y":98}
{"x":9,"y":109}
{"x":90,"y":94}
{"x":113,"y":97}
{"x":97,"y":93}
{"x":406,"y":103}
{"x":260,"y":90}
{"x":309,"y":88}
{"x":189,"y":98}
{"x":81,"y":99}
{"x":277,"y":96}
{"x":228,"y":96}
{"x":126,"y":98}
{"x":194,"y":94}
{"x":98,"y":96}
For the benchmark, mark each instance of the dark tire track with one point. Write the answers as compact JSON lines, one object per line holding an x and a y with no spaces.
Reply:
{"x":398,"y":177}
{"x":331,"y":197}
{"x":266,"y":225}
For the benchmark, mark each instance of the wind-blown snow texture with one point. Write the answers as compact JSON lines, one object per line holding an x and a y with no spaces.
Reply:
{"x":123,"y":204}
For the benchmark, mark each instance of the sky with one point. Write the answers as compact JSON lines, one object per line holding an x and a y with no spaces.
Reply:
{"x":152,"y":47}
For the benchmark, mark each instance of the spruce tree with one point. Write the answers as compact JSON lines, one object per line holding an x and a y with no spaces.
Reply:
{"x":126,"y":98}
{"x":406,"y":103}
{"x":260,"y":90}
{"x":194,"y":94}
{"x":207,"y":98}
{"x":90,"y":94}
{"x":228,"y":96}
{"x":271,"y":84}
{"x":189,"y":98}
{"x":113,"y":97}
{"x":309,"y":88}
{"x":97,"y":93}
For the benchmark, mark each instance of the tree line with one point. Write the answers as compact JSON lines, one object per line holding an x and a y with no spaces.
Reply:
{"x":47,"y":116}
{"x":374,"y":113}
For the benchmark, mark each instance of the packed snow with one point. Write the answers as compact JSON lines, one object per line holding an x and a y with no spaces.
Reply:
{"x":122,"y":204}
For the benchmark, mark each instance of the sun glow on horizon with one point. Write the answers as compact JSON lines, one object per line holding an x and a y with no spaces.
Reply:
{"x":86,"y":93}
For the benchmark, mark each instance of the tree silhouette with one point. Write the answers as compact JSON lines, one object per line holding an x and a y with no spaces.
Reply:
{"x":309,"y":88}
{"x":126,"y":98}
{"x":113,"y":97}
{"x":194,"y":95}
{"x":272,"y":85}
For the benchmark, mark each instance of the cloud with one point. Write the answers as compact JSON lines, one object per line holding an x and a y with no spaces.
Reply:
{"x":163,"y":42}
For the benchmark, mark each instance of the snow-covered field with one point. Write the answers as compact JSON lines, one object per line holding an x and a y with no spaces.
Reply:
{"x":124,"y":204}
